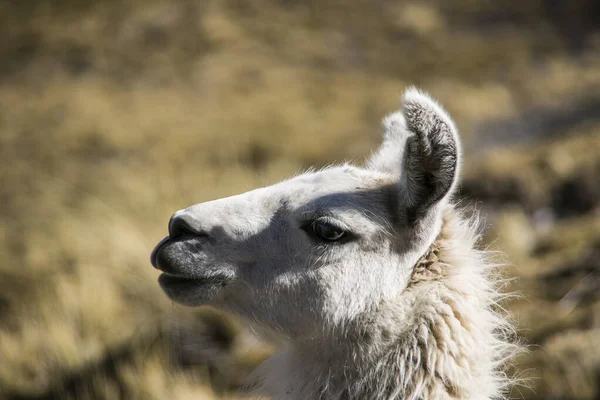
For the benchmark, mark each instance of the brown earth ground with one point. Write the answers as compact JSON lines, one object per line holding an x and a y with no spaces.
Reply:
{"x":114,"y":114}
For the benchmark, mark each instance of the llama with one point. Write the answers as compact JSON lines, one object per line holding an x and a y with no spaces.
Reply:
{"x":369,"y":275}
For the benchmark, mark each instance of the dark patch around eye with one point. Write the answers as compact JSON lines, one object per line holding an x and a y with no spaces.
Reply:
{"x":326,"y":232}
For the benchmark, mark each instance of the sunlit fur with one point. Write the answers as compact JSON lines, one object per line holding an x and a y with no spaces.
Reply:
{"x":404,"y":308}
{"x":445,"y":337}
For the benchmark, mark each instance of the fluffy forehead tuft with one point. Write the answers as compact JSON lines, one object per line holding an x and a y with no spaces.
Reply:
{"x":342,"y":176}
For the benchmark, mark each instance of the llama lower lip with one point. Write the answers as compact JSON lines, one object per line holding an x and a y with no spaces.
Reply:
{"x":191,"y":292}
{"x":154,"y":255}
{"x":172,"y":280}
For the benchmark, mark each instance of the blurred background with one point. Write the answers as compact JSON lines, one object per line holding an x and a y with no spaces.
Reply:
{"x":116,"y":113}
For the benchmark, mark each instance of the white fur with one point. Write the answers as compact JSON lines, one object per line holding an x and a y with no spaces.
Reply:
{"x":442,"y":338}
{"x":406,"y":308}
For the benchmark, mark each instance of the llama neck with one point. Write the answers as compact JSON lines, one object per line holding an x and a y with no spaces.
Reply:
{"x":439,"y":340}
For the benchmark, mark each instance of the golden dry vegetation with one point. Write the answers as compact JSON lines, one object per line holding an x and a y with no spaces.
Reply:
{"x":114,"y":114}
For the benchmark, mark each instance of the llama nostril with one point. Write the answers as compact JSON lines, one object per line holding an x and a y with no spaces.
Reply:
{"x":179,"y":226}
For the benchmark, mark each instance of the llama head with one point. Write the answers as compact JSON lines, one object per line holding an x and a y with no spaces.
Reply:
{"x":319,"y":251}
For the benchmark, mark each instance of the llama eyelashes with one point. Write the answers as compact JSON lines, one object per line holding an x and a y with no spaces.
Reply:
{"x":326,"y":231}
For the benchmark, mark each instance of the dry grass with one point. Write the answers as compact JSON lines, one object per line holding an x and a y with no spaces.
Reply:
{"x":114,"y":114}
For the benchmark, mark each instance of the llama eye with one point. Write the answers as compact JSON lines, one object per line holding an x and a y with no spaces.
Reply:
{"x":326,"y":231}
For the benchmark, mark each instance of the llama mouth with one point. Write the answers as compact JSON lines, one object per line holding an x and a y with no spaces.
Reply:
{"x":166,"y":279}
{"x":154,"y":255}
{"x":191,"y":291}
{"x":189,"y":276}
{"x":179,"y":256}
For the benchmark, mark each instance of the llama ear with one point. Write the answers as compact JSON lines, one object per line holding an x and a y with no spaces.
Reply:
{"x":431,"y":154}
{"x":387,"y":157}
